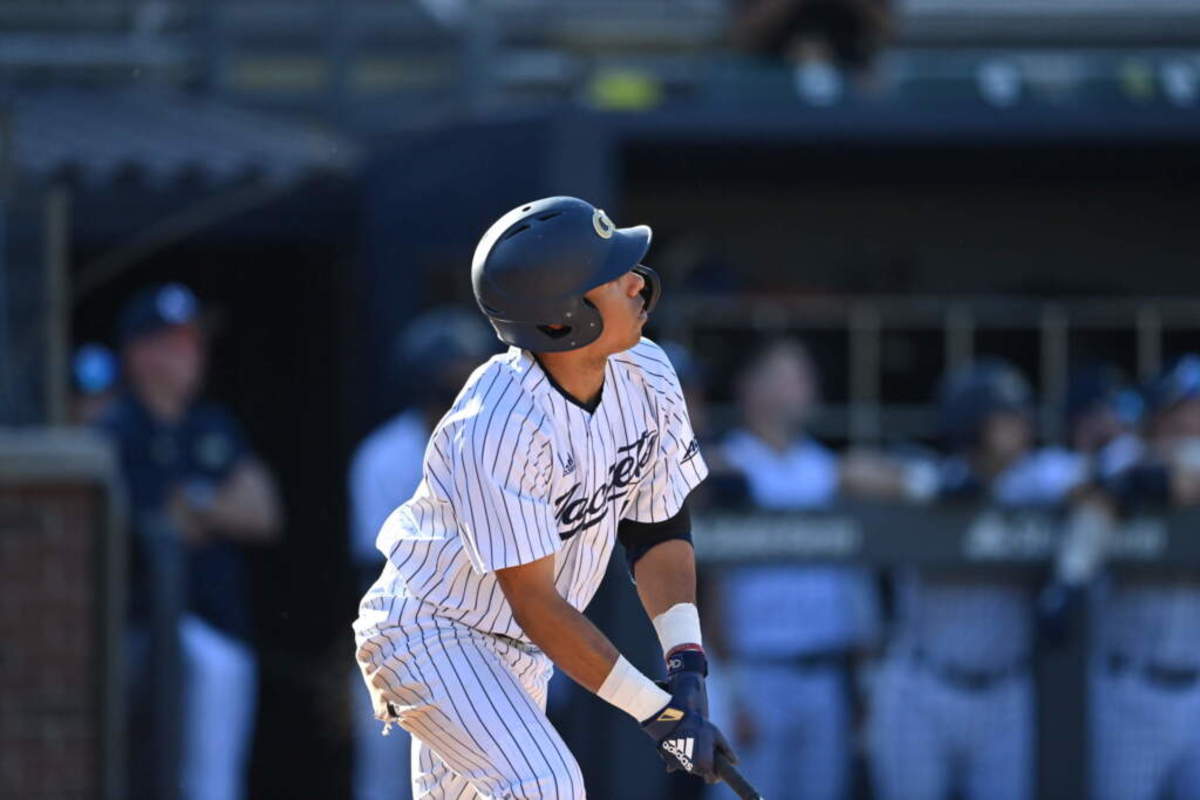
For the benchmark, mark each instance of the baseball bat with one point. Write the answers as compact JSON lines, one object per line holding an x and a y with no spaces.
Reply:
{"x":741,"y":787}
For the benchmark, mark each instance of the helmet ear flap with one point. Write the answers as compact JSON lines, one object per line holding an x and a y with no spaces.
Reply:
{"x":582,"y":326}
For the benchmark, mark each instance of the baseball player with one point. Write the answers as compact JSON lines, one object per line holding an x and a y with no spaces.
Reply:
{"x":788,"y":631}
{"x":1146,"y":688}
{"x":1101,"y":417}
{"x":953,"y":706}
{"x":193,"y":482}
{"x":575,"y":437}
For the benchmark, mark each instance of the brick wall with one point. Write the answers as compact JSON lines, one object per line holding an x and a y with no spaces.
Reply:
{"x":50,"y":642}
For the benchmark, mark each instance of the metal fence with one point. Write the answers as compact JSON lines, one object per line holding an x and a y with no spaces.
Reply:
{"x":1046,"y":338}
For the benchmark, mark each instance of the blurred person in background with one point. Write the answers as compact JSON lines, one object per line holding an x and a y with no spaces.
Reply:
{"x":191,"y":476}
{"x":788,"y":633}
{"x":821,"y":40}
{"x":1146,"y":687}
{"x":437,"y":352}
{"x":1101,"y":416}
{"x":94,"y":377}
{"x":952,"y":711}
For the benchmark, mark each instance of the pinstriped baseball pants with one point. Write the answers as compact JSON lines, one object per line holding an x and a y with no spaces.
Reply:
{"x":475,"y":705}
{"x":927,"y":736}
{"x":1145,"y":739}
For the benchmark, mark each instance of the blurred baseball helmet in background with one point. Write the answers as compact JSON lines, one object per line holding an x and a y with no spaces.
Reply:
{"x":1178,"y":382}
{"x":437,"y":350}
{"x":1098,"y":386}
{"x":968,"y":396}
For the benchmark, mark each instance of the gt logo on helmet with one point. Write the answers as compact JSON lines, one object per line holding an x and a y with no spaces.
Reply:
{"x":603,"y":225}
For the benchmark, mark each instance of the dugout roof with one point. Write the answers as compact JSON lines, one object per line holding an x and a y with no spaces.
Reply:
{"x":159,"y":137}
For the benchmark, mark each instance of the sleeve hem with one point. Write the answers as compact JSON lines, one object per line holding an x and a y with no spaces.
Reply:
{"x":517,"y":559}
{"x":690,"y":479}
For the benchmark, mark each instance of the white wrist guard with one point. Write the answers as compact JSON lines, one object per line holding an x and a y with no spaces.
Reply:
{"x":632,"y":692}
{"x":679,"y":624}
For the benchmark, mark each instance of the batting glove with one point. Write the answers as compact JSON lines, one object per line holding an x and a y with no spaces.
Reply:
{"x":686,"y":670}
{"x":688,"y":741}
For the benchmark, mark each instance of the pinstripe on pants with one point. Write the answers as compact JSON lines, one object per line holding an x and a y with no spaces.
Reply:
{"x":1146,"y":736}
{"x":474,"y":704}
{"x":928,"y":738}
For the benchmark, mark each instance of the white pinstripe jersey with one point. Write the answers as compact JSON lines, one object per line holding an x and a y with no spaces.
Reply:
{"x":516,"y":471}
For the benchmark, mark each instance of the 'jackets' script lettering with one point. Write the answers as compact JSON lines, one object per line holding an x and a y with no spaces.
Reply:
{"x":575,"y":511}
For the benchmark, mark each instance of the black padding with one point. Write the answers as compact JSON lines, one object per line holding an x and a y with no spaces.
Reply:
{"x":639,"y":538}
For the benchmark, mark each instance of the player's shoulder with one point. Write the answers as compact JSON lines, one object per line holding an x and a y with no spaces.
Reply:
{"x":649,"y":363}
{"x":505,"y":386}
{"x":508,"y":370}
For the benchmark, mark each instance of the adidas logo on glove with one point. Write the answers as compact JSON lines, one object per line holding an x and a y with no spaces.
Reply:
{"x":682,"y":750}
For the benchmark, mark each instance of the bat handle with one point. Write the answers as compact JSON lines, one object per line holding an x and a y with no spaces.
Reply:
{"x":741,"y":787}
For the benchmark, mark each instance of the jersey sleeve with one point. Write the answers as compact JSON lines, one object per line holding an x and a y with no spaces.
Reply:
{"x":677,"y":467}
{"x":501,"y":492}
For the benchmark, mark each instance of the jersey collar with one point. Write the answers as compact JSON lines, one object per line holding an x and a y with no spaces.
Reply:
{"x":535,"y":368}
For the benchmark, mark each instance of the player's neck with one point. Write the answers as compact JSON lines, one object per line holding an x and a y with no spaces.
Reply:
{"x":579,"y":373}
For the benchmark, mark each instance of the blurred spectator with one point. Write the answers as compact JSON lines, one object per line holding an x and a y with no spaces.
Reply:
{"x":437,"y":352}
{"x":786,"y":634}
{"x":819,"y":39}
{"x":196,"y":493}
{"x":953,"y":706}
{"x":1146,"y":691}
{"x":1102,"y":417}
{"x":94,"y":374}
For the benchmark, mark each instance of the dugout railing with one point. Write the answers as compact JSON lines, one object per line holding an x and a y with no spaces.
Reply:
{"x":1046,"y":338}
{"x":985,"y":541}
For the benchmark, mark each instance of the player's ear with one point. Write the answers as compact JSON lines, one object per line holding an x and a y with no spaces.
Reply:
{"x":638,"y":281}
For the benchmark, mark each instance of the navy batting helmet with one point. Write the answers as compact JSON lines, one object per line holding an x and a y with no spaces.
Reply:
{"x":1100,"y":385}
{"x":442,"y":335}
{"x":437,"y":350}
{"x":533,"y":266}
{"x":969,"y":395}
